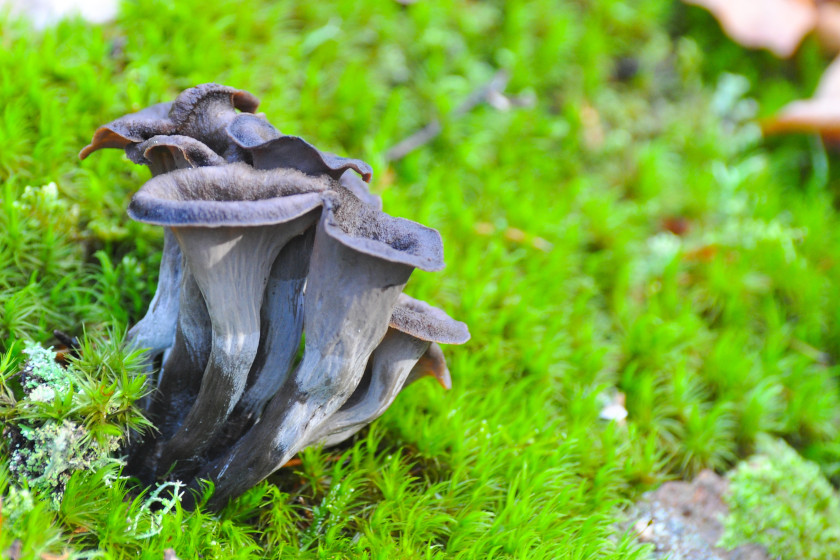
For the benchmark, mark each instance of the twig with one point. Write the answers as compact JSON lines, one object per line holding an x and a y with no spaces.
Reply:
{"x":426,"y":134}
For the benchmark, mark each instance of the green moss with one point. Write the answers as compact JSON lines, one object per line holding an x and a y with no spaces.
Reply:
{"x":555,"y":219}
{"x":783,"y":502}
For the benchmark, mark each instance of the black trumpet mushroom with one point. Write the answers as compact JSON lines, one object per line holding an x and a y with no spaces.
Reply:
{"x":269,"y":243}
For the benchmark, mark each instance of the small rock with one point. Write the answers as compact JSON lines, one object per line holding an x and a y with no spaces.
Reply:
{"x":683,"y":521}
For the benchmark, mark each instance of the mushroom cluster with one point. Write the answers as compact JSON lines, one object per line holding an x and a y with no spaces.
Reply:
{"x":268,"y":242}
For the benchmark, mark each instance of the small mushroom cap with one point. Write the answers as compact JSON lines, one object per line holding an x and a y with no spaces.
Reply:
{"x":204,"y":112}
{"x":131,"y":128}
{"x":182,"y":148}
{"x":228,"y":195}
{"x":251,"y":131}
{"x":279,"y":150}
{"x":193,"y":103}
{"x":362,"y":228}
{"x":197,"y":112}
{"x":421,"y":320}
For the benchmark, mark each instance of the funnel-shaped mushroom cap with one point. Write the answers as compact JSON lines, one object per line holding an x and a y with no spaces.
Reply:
{"x":271,"y":150}
{"x":372,"y":232}
{"x":202,"y":112}
{"x":229,"y":195}
{"x":131,"y":128}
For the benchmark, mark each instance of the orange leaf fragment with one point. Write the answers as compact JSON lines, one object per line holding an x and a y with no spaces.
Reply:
{"x":820,"y":114}
{"x":828,"y":26}
{"x":776,"y":25}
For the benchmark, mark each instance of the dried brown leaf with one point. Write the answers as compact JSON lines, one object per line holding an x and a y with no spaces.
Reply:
{"x":820,"y":114}
{"x":828,"y":26}
{"x":776,"y":25}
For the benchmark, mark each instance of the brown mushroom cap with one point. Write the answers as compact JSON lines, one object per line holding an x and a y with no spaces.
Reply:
{"x":131,"y":128}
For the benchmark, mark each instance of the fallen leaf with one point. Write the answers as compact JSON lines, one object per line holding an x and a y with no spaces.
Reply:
{"x":828,"y":26}
{"x":776,"y":25}
{"x":820,"y":114}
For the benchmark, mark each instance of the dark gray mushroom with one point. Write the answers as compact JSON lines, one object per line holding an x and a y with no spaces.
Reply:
{"x":414,"y":326}
{"x":282,"y":325}
{"x":230,"y":222}
{"x":248,"y":268}
{"x":270,"y":149}
{"x":360,"y":263}
{"x":202,"y":112}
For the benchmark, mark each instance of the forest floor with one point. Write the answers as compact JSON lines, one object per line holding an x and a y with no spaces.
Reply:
{"x":616,"y":230}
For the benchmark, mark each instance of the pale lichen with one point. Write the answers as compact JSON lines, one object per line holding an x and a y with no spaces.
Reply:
{"x":47,"y":451}
{"x":41,"y":369}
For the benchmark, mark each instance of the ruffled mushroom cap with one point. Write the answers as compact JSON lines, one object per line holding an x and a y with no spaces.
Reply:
{"x":131,"y":128}
{"x":372,"y":232}
{"x":270,"y":150}
{"x":417,"y":318}
{"x":231,"y":222}
{"x":202,"y":112}
{"x":414,"y":326}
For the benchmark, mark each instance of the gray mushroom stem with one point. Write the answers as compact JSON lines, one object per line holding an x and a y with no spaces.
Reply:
{"x":156,"y":330}
{"x":282,"y":325}
{"x":182,"y":371}
{"x":360,"y":263}
{"x":415,"y":326}
{"x":231,"y":267}
{"x":390,"y":365}
{"x":180,"y":377}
